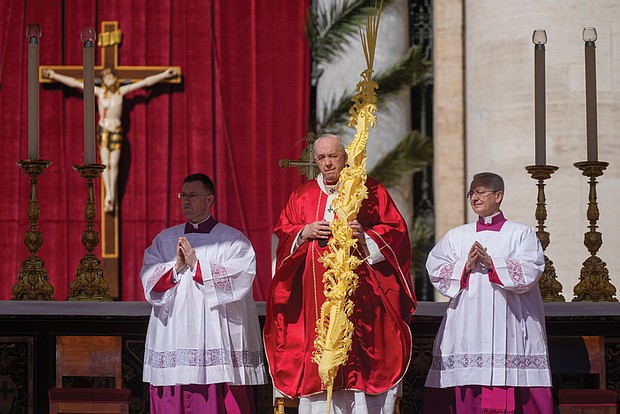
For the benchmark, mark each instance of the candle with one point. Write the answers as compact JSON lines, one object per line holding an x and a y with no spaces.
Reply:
{"x":539,"y":38}
{"x":88,"y":36}
{"x":589,"y":37}
{"x":33,"y":33}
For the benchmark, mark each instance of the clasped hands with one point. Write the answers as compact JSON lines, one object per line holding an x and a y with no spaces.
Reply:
{"x":478,"y":254}
{"x":320,"y":230}
{"x":186,"y":255}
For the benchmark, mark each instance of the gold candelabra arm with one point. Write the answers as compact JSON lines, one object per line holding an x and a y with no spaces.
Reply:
{"x":594,"y":283}
{"x":550,"y":287}
{"x":89,"y":283}
{"x":33,"y":282}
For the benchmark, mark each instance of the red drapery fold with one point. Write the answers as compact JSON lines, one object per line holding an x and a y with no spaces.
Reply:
{"x":242,"y":106}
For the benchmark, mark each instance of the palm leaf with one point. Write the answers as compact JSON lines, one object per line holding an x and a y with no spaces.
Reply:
{"x":422,"y":238}
{"x":330,"y":29}
{"x":405,"y":73}
{"x":413,"y":153}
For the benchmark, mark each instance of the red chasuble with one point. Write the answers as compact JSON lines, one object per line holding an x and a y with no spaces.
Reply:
{"x":384,"y":300}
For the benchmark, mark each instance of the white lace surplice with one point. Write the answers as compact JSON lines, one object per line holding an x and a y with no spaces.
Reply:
{"x":209,"y":333}
{"x":491,"y":335}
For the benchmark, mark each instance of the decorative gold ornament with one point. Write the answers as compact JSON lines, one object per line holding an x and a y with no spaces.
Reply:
{"x":89,"y":283}
{"x":33,"y":283}
{"x":334,"y":329}
{"x":594,"y":284}
{"x":550,"y":287}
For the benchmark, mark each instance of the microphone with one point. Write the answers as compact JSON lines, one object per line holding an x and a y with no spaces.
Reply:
{"x":323,"y":242}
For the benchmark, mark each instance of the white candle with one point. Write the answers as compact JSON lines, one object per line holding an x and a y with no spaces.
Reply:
{"x":539,"y":38}
{"x":88,"y":37}
{"x":33,"y":33}
{"x":589,"y":37}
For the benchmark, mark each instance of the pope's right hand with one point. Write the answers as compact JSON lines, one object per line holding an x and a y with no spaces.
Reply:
{"x":316,"y":230}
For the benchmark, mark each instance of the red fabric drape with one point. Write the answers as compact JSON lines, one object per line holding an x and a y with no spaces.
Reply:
{"x":242,"y":106}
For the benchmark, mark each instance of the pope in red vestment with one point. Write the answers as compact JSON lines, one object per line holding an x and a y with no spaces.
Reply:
{"x":384,"y":299}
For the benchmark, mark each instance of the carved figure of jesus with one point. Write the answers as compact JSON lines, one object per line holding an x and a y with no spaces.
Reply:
{"x":110,"y":134}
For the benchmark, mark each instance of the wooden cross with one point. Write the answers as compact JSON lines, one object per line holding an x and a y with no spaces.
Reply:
{"x":108,"y":41}
{"x":305,"y":163}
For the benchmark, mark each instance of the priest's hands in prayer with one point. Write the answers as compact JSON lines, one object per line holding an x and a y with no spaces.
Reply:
{"x":478,"y":253}
{"x":186,"y":255}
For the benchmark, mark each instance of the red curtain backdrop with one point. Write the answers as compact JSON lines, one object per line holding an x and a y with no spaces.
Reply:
{"x":242,"y":105}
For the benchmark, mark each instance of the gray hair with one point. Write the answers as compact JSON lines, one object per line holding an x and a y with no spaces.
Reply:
{"x":338,"y":138}
{"x":495,"y":181}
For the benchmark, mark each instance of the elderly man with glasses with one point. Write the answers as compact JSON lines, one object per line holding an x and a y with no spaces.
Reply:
{"x":490,"y":354}
{"x":203,"y":348}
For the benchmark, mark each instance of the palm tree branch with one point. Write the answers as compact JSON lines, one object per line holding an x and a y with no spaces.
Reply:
{"x":330,"y":29}
{"x":413,"y":153}
{"x":405,"y":73}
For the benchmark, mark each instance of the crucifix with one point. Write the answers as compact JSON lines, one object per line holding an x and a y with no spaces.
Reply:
{"x":305,"y":163}
{"x":114,"y":81}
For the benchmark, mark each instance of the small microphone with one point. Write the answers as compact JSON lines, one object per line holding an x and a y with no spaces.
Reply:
{"x":322,"y":242}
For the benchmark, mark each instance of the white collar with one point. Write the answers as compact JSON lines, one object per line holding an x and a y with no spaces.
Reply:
{"x":328,"y":189}
{"x":489,"y":219}
{"x":195,"y":225}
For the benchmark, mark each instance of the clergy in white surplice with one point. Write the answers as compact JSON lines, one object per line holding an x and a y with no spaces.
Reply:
{"x":203,"y":348}
{"x":490,"y":353}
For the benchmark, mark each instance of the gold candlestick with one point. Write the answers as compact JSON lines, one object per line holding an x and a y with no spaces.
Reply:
{"x":550,"y":287}
{"x":33,"y":283}
{"x":594,"y":284}
{"x":89,"y":283}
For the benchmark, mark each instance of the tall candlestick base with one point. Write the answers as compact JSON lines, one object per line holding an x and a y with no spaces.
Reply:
{"x":33,"y":283}
{"x":594,"y":284}
{"x":89,"y":283}
{"x":550,"y":287}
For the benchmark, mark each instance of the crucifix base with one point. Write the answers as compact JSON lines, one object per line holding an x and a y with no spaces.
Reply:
{"x":110,"y":247}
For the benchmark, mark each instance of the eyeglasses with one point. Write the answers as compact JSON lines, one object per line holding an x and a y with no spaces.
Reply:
{"x":480,"y":194}
{"x":191,"y":196}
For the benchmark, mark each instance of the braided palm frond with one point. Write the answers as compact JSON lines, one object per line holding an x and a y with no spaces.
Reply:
{"x":331,"y":29}
{"x":407,"y":72}
{"x":413,"y":152}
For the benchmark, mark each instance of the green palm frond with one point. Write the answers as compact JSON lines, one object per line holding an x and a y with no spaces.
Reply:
{"x":422,"y":238}
{"x":413,"y":153}
{"x":335,"y":116}
{"x":330,"y":29}
{"x":405,"y":73}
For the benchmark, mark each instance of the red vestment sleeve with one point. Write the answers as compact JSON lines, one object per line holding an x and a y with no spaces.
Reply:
{"x":494,"y":277}
{"x":198,"y":275}
{"x":164,"y":283}
{"x":465,"y":279}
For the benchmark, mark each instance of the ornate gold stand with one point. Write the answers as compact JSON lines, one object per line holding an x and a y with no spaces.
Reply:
{"x":89,"y":283}
{"x":594,"y":284}
{"x":33,"y":283}
{"x":550,"y":287}
{"x":278,"y":407}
